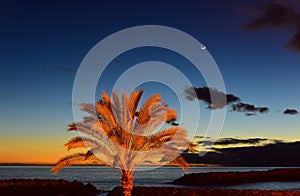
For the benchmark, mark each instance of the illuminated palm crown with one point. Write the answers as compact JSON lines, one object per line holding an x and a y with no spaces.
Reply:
{"x":120,"y":136}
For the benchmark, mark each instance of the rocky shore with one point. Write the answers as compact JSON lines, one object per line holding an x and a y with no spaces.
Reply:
{"x":233,"y":178}
{"x":37,"y":187}
{"x":170,"y":191}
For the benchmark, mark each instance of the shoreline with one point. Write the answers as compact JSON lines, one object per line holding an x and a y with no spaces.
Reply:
{"x":76,"y":188}
{"x":171,"y":191}
{"x":51,"y":187}
{"x":235,"y":178}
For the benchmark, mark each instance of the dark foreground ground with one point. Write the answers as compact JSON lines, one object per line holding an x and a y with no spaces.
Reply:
{"x":64,"y":188}
{"x":37,"y":187}
{"x":170,"y":191}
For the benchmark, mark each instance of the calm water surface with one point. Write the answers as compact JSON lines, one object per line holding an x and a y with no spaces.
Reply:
{"x":106,"y":178}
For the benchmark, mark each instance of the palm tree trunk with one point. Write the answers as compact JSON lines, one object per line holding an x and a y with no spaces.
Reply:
{"x":127,"y":182}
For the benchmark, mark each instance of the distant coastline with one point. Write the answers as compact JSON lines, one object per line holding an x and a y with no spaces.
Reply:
{"x":234,"y":178}
{"x":26,"y":164}
{"x":52,"y":164}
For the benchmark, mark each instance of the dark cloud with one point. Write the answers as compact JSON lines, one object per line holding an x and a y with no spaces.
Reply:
{"x":233,"y":141}
{"x":273,"y":15}
{"x":220,"y":99}
{"x":290,"y":112}
{"x":205,"y":143}
{"x":249,"y":109}
{"x":294,"y":43}
{"x":278,"y":15}
{"x":65,"y":69}
{"x":199,"y":137}
{"x":229,"y":141}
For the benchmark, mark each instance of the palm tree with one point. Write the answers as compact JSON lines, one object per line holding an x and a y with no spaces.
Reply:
{"x":120,"y":136}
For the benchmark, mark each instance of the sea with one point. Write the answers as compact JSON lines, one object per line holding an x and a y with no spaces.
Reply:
{"x":106,"y":178}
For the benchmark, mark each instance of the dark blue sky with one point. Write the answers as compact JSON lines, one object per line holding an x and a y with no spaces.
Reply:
{"x":42,"y":43}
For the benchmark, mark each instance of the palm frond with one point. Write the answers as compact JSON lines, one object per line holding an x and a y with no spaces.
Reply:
{"x":110,"y":134}
{"x":171,"y":114}
{"x":105,"y":113}
{"x":86,"y":129}
{"x":143,"y":116}
{"x":87,"y":107}
{"x":171,"y":134}
{"x":138,"y":142}
{"x":134,"y":101}
{"x":73,"y":159}
{"x":176,"y":135}
{"x":81,"y":142}
{"x":127,"y":120}
{"x":191,"y":147}
{"x":106,"y":152}
{"x":167,"y":150}
{"x":181,"y":162}
{"x":106,"y":98}
{"x":101,"y":127}
{"x":89,"y":120}
{"x":146,"y":129}
{"x":157,"y":115}
{"x":117,"y":108}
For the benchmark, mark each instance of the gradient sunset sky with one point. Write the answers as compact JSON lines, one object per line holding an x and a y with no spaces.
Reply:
{"x":256,"y":45}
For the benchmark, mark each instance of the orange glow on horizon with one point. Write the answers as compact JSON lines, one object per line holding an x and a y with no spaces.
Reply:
{"x":46,"y":150}
{"x":33,"y":150}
